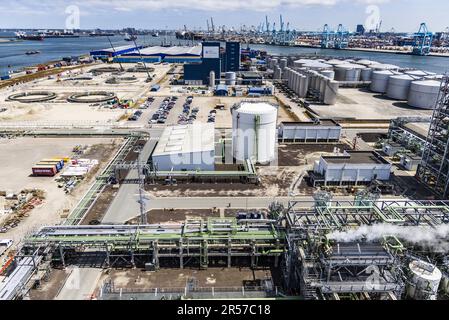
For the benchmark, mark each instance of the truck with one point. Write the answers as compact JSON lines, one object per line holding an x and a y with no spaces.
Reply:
{"x":5,"y":244}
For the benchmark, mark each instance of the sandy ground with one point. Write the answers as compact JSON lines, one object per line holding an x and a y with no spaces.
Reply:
{"x":19,"y":155}
{"x":59,"y":109}
{"x":176,"y":278}
{"x":363,"y":104}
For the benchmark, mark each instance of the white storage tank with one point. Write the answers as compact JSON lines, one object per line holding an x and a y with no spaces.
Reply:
{"x":231,"y":78}
{"x":399,"y":86}
{"x":381,"y":66}
{"x":254,"y":131}
{"x":424,"y":94}
{"x":424,"y":281}
{"x":328,"y":73}
{"x":366,"y":74}
{"x":330,"y":92}
{"x":212,"y":79}
{"x":379,"y":80}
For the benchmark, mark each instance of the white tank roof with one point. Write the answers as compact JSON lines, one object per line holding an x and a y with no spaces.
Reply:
{"x":427,"y":85}
{"x":256,"y":108}
{"x":420,"y":73}
{"x":425,"y":270}
{"x":335,"y":62}
{"x":381,"y":66}
{"x":367,"y":62}
{"x":403,"y":77}
{"x":349,"y":66}
{"x":384,"y":72}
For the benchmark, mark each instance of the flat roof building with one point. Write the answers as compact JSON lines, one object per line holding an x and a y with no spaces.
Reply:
{"x":186,"y":148}
{"x":323,"y":130}
{"x":350,"y":168}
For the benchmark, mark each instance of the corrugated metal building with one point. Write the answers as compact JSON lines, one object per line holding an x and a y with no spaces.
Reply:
{"x":351,"y":168}
{"x":109,"y":52}
{"x":163,"y":54}
{"x":189,"y":147}
{"x":324,"y":130}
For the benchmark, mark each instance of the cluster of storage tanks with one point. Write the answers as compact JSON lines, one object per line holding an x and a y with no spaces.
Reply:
{"x":419,"y":88}
{"x":302,"y":81}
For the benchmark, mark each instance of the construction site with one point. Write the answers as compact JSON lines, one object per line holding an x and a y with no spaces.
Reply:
{"x":291,"y":177}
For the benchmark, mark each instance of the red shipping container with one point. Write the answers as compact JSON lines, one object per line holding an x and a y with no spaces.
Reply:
{"x":44,"y":171}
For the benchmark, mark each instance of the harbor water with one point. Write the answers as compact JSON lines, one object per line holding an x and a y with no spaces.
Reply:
{"x":13,"y":53}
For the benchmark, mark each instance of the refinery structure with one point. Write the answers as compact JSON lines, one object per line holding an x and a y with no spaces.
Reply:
{"x":213,"y":171}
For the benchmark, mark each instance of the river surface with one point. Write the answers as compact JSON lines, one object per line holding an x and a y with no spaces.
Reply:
{"x":13,"y":57}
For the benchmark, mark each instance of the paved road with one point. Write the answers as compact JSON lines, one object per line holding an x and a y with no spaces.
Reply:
{"x":123,"y":214}
{"x":126,"y":202}
{"x":80,"y":285}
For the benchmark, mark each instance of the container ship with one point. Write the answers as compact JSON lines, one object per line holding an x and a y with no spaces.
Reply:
{"x":33,"y":37}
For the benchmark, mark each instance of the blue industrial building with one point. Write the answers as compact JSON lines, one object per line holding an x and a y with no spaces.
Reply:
{"x":198,"y":73}
{"x":113,"y":52}
{"x":260,"y":91}
{"x":232,"y":55}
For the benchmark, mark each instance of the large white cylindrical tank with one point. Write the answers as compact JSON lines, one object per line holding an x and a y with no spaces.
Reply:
{"x":399,"y":86}
{"x":424,"y":281}
{"x":231,"y":78}
{"x":379,"y":80}
{"x":330,"y":74}
{"x":304,"y":86}
{"x":254,"y":131}
{"x":424,"y":94}
{"x":212,"y":79}
{"x":366,"y":74}
{"x":330,"y":92}
{"x":273,"y":63}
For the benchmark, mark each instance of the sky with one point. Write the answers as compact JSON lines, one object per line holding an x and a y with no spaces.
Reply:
{"x":310,"y":15}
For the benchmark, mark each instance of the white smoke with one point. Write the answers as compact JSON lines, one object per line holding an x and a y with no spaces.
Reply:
{"x":434,"y":238}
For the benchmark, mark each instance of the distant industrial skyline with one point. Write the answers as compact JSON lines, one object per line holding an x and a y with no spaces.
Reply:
{"x":310,"y":15}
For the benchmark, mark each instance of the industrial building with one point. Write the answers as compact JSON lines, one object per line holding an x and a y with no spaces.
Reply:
{"x":351,"y":168}
{"x":434,"y":169}
{"x":188,"y":147}
{"x":322,"y":130}
{"x":113,"y":52}
{"x":254,"y":131}
{"x":199,"y":73}
{"x":232,"y":57}
{"x":162,"y":54}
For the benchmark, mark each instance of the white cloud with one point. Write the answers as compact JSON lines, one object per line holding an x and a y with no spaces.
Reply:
{"x":202,"y":5}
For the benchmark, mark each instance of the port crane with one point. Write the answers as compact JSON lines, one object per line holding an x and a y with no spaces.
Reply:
{"x":327,"y":37}
{"x":341,"y":38}
{"x":422,"y":41}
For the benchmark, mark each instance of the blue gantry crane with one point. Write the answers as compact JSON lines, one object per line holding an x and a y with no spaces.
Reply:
{"x":327,"y":37}
{"x":422,"y":41}
{"x":341,"y":38}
